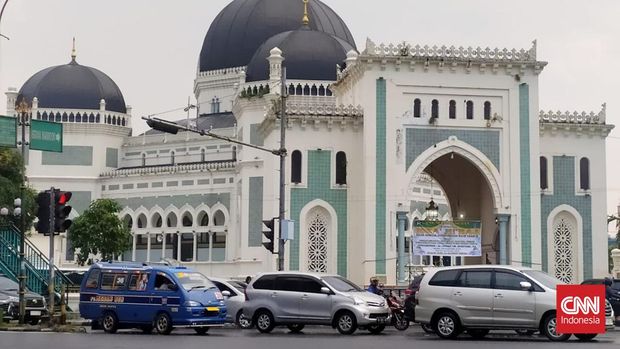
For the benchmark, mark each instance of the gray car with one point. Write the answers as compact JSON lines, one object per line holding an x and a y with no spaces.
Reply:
{"x":482,"y":298}
{"x":234,"y":302}
{"x":297,"y":299}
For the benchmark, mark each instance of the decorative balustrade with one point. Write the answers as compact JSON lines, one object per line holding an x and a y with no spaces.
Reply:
{"x":156,"y":169}
{"x":83,"y":116}
{"x":323,"y":109}
{"x":451,"y":53}
{"x":574,"y":117}
{"x":234,"y":70}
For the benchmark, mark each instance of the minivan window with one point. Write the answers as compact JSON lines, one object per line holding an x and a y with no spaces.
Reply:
{"x":444,"y":278}
{"x":265,"y":282}
{"x":162,"y":282}
{"x":341,"y":284}
{"x":508,"y":281}
{"x":138,"y":281}
{"x":309,"y":285}
{"x":544,"y":278}
{"x":93,"y":278}
{"x":475,"y":279}
{"x":113,"y":281}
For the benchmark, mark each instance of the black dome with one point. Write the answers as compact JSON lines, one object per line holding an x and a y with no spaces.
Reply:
{"x":308,"y":55}
{"x":73,"y":86}
{"x":244,"y":25}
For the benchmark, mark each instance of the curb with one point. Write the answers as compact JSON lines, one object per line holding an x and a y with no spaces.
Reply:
{"x":70,"y":328}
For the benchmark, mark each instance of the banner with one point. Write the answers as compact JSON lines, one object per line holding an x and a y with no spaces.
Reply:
{"x":450,"y":238}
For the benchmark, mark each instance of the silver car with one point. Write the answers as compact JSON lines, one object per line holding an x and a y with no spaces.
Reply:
{"x":297,"y":299}
{"x":235,"y":301}
{"x":482,"y":298}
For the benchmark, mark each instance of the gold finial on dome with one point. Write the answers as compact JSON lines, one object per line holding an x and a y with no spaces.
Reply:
{"x":73,"y":54}
{"x":305,"y":20}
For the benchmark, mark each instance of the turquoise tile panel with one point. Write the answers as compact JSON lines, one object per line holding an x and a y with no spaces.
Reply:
{"x":255,"y":212}
{"x":380,"y":204}
{"x":526,"y":190}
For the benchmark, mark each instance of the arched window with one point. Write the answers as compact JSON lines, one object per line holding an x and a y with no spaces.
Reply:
{"x":291,"y":89}
{"x":64,"y":117}
{"x":416,"y":108}
{"x":487,"y":110}
{"x":584,"y":173}
{"x":172,"y":158}
{"x":156,"y":220}
{"x":219,"y":218}
{"x":296,"y":167}
{"x":203,"y":155}
{"x":171,"y":220}
{"x":452,"y":109}
{"x":543,"y":173}
{"x":128,"y":221}
{"x":470,"y":110}
{"x":215,"y":105}
{"x":203,"y":219}
{"x":141,"y":221}
{"x":143,"y":160}
{"x":435,"y":109}
{"x":187,"y":220}
{"x":341,"y":168}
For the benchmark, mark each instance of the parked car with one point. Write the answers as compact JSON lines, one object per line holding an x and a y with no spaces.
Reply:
{"x":612,"y":293}
{"x":297,"y":299}
{"x":477,"y":299}
{"x":9,"y":302}
{"x":137,"y":295}
{"x":234,"y":302}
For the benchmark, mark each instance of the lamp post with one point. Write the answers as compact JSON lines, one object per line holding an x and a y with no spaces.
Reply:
{"x":23,"y":109}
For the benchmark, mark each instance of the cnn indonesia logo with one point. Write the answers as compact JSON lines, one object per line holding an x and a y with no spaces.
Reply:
{"x":580,"y":309}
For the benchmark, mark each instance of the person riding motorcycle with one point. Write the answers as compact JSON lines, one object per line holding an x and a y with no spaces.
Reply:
{"x":374,"y":286}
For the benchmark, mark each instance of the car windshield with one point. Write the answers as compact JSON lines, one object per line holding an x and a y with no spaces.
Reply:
{"x":341,"y":284}
{"x":544,"y":278}
{"x":194,"y":280}
{"x":8,"y":284}
{"x":240,"y":286}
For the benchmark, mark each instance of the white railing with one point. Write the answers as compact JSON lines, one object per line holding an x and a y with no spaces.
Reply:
{"x":149,"y":170}
{"x":574,"y":117}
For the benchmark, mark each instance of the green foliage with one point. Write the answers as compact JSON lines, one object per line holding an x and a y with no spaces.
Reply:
{"x":99,"y":231}
{"x":11,"y":174}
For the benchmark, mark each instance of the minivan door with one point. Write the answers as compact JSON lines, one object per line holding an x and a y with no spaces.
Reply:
{"x":166,"y":294}
{"x":286,"y":297}
{"x":473,"y":297}
{"x":314,"y":305}
{"x":513,"y":306}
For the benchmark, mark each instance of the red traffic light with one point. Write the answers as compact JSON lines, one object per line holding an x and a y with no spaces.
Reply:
{"x":64,"y":197}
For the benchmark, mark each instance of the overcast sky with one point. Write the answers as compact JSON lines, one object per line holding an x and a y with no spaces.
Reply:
{"x":150,"y":47}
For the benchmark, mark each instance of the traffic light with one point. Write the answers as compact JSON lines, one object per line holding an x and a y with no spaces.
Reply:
{"x":61,"y":210}
{"x":269,"y":233}
{"x":43,"y":201}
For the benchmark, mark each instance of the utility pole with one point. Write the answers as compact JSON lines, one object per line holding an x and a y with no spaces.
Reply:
{"x":22,"y":109}
{"x":282,"y":154}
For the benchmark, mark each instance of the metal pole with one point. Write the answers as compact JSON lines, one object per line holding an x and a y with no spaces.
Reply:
{"x":282,"y":168}
{"x":50,"y":285}
{"x":23,"y":110}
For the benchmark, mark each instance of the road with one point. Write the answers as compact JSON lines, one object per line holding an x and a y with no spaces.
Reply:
{"x":311,"y":338}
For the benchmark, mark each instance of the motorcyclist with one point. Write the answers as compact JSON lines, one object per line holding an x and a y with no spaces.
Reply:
{"x":374,"y":286}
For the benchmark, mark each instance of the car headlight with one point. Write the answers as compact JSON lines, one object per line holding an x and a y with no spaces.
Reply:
{"x":193,"y":304}
{"x":358,"y":301}
{"x":12,"y":299}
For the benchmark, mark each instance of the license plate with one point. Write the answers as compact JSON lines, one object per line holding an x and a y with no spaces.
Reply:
{"x":609,"y":322}
{"x":35,"y":313}
{"x":213,"y":309}
{"x":381,"y":320}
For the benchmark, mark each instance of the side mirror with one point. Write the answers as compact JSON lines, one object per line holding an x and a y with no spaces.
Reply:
{"x":226,"y":293}
{"x":325,"y":290}
{"x":526,"y":286}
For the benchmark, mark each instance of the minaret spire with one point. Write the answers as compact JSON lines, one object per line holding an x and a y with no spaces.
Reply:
{"x":305,"y":20}
{"x":73,"y":54}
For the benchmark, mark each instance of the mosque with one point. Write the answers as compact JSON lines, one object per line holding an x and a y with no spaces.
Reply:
{"x":374,"y":133}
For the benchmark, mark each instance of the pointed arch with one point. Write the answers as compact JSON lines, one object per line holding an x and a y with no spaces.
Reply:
{"x":565,"y":244}
{"x":318,"y":236}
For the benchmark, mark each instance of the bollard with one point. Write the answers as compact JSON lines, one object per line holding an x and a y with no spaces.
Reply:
{"x":615,"y":256}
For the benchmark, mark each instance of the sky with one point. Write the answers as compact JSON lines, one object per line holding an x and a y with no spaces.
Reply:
{"x":150,"y":48}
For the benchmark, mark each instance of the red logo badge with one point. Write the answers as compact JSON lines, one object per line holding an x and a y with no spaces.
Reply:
{"x":580,"y":309}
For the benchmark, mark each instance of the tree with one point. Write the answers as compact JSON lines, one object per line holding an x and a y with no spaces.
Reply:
{"x":11,"y":177}
{"x":99,"y":231}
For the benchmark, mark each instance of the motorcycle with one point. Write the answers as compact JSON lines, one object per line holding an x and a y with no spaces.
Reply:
{"x":398,"y":313}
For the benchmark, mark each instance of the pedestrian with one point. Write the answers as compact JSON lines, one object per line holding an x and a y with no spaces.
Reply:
{"x":248,"y":279}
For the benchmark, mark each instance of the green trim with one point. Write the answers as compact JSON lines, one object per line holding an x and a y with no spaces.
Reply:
{"x":255,"y":212}
{"x":72,"y":155}
{"x":380,"y":205}
{"x":111,"y":157}
{"x":526,"y":190}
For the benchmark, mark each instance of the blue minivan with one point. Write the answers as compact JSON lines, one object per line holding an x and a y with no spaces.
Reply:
{"x":118,"y":295}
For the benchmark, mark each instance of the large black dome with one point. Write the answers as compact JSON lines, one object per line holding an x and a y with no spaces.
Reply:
{"x":308,"y":55}
{"x":73,"y":86}
{"x":244,"y":25}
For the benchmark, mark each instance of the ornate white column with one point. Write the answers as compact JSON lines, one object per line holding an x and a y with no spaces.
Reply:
{"x":194,"y":246}
{"x":179,"y":242}
{"x":615,"y":256}
{"x":133,"y":248}
{"x":148,"y":246}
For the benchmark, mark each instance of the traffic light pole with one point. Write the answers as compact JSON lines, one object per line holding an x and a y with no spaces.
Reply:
{"x":282,"y":155}
{"x":50,"y":284}
{"x":23,"y":111}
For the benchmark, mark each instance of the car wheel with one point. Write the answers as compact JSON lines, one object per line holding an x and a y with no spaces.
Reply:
{"x":243,"y":321}
{"x":585,"y":336}
{"x":264,"y":321}
{"x":428,"y":328}
{"x":163,"y":323}
{"x":296,"y":328}
{"x":549,"y":326}
{"x":147,"y":329}
{"x":525,"y":332}
{"x":201,"y":330}
{"x":376,"y":329}
{"x":109,"y":322}
{"x":447,"y":325}
{"x":477,"y":333}
{"x":346,"y":323}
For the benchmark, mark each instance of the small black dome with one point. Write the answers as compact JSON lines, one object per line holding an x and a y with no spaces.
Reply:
{"x":244,"y":25}
{"x":73,"y":86}
{"x":308,"y":55}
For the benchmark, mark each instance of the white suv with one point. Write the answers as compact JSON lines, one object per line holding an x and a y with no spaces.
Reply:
{"x":297,"y":299}
{"x":485,"y":297}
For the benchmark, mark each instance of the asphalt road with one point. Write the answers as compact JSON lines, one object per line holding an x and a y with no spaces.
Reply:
{"x":311,"y":338}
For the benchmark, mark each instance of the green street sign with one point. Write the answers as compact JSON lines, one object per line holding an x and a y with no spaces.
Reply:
{"x":46,"y":135}
{"x":8,"y":131}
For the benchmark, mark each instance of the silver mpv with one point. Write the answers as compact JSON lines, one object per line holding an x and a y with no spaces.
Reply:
{"x":297,"y":299}
{"x":482,"y":298}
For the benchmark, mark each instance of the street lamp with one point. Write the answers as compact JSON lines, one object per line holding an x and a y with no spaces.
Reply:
{"x":432,"y":211}
{"x":23,"y":109}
